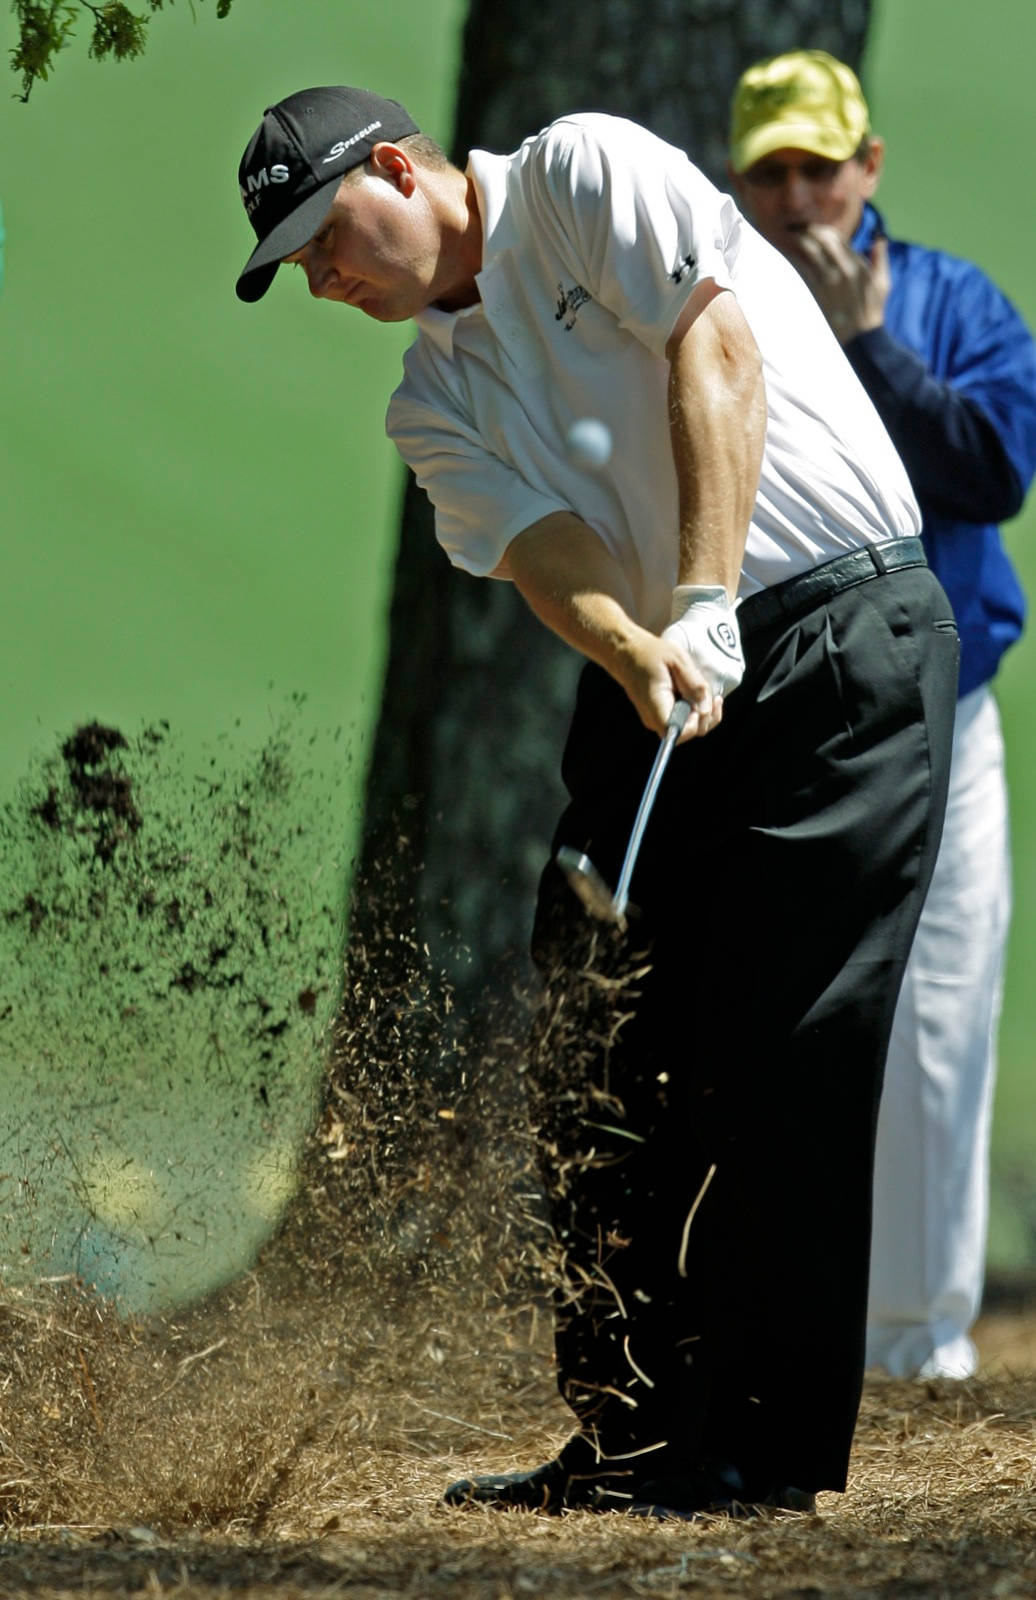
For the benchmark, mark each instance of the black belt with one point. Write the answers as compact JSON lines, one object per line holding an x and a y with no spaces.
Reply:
{"x":796,"y":596}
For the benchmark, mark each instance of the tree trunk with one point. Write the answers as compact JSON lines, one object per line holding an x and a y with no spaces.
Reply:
{"x":464,"y":789}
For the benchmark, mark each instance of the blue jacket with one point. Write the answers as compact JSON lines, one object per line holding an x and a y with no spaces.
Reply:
{"x":953,"y":376}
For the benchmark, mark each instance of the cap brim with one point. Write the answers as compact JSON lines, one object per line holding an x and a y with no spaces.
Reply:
{"x":288,"y":236}
{"x":790,"y":136}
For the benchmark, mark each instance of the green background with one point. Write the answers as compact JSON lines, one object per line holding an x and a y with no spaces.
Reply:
{"x":950,"y":90}
{"x":200,"y":503}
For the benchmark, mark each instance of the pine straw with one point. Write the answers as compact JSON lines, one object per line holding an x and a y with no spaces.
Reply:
{"x":283,"y":1442}
{"x":291,"y":1437}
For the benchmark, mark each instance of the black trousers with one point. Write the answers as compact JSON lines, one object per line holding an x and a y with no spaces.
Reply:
{"x":706,"y":1085}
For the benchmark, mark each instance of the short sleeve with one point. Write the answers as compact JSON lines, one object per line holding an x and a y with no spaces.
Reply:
{"x":481,"y":503}
{"x":643,"y":226}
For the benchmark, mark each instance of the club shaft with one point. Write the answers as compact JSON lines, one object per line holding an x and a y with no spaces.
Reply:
{"x":674,"y":727}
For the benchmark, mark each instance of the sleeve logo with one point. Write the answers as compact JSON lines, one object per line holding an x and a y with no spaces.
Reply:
{"x":684,"y":267}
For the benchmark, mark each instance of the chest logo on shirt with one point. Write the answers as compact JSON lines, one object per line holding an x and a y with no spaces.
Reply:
{"x":569,"y":302}
{"x":683,"y":267}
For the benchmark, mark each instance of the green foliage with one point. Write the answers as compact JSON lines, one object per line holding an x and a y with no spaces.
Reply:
{"x":117,"y":32}
{"x":45,"y":28}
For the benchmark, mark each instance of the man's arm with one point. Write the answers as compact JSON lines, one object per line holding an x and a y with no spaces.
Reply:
{"x":967,"y":437}
{"x":950,"y":442}
{"x":717,"y":422}
{"x":574,"y":585}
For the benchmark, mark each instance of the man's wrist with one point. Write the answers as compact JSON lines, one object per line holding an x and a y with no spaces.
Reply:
{"x":688,"y":595}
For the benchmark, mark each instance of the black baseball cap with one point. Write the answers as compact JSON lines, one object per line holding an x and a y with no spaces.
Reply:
{"x":295,"y":161}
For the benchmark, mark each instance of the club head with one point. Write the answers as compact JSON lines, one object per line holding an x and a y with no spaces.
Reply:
{"x":588,"y":884}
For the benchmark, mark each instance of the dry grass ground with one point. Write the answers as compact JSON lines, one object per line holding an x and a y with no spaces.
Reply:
{"x":289,"y":1445}
{"x":290,"y":1438}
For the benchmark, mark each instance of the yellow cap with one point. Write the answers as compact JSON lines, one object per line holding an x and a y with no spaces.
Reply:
{"x":805,"y":100}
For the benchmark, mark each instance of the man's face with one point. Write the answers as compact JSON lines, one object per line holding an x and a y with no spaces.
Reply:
{"x":791,"y":190}
{"x":378,"y":248}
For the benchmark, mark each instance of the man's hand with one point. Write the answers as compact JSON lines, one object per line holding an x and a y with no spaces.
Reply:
{"x":658,"y":670}
{"x":850,"y":289}
{"x":577,"y":587}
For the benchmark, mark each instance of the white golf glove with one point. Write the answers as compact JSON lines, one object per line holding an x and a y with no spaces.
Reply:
{"x":705,"y":624}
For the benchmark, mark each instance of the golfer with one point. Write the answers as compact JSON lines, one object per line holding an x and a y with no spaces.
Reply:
{"x":951,"y":368}
{"x":706,"y":1084}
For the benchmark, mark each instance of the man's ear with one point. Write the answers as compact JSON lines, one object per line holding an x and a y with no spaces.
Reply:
{"x":734,"y":179}
{"x":873,"y":165}
{"x":391,"y":162}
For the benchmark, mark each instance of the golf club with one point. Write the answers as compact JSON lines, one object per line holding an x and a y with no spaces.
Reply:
{"x":580,"y":871}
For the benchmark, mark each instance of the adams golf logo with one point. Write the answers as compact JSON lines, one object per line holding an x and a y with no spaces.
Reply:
{"x":256,"y":182}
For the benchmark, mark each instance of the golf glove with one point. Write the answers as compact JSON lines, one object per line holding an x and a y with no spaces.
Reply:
{"x":705,"y":624}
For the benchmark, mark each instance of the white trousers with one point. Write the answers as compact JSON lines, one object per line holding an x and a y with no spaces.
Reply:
{"x":931,"y":1185}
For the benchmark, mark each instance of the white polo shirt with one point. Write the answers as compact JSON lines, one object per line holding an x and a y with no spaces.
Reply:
{"x":596,"y":233}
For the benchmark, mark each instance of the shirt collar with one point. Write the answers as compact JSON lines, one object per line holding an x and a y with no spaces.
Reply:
{"x":488,"y":173}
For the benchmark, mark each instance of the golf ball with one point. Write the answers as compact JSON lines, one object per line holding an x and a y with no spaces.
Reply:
{"x":589,"y":443}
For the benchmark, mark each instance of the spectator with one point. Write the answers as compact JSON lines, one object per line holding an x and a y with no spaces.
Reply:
{"x":951,"y":368}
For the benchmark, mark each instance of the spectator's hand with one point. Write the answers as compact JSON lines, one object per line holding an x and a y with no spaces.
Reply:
{"x":850,"y":289}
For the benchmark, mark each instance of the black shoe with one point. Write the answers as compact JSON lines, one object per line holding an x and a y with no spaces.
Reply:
{"x":718,"y":1491}
{"x":574,"y":1480}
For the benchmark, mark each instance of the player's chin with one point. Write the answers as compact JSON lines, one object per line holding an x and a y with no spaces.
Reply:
{"x":382,"y":311}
